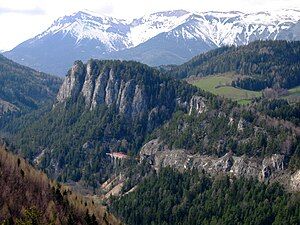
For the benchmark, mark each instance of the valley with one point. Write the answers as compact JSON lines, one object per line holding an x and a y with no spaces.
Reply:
{"x":110,"y":106}
{"x":175,"y":117}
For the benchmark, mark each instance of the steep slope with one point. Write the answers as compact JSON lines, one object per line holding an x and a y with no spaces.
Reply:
{"x":261,"y":64}
{"x":102,"y":107}
{"x":172,"y":47}
{"x":113,"y":106}
{"x":150,"y":38}
{"x":201,"y":32}
{"x":195,"y":198}
{"x":23,"y":89}
{"x":28,"y":197}
{"x":79,"y":36}
{"x":83,"y":35}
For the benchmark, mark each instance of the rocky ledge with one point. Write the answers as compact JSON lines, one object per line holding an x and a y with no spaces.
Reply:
{"x":268,"y":169}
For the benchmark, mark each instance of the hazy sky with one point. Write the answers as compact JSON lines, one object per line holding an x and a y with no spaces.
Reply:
{"x":23,"y":19}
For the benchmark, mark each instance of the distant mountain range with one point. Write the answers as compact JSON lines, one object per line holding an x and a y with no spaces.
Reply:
{"x":170,"y":37}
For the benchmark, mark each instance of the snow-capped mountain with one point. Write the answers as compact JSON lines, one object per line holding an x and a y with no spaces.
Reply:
{"x":236,"y":28}
{"x":169,"y":37}
{"x":147,"y":27}
{"x":81,"y":26}
{"x":114,"y":34}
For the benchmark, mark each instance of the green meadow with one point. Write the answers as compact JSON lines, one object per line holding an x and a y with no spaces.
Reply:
{"x":220,"y":85}
{"x":294,"y":94}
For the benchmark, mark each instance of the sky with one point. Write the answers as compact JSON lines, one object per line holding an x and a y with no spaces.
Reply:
{"x":24,"y":19}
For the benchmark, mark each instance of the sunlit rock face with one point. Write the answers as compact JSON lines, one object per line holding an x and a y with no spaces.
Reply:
{"x":159,"y":155}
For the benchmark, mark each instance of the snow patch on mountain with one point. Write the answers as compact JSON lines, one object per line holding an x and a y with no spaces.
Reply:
{"x":149,"y":26}
{"x":81,"y":25}
{"x":237,"y":28}
{"x":219,"y":28}
{"x":169,"y":37}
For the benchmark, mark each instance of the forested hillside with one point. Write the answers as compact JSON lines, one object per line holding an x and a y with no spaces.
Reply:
{"x":280,"y":108}
{"x":23,"y":89}
{"x":191,"y":198}
{"x":262,"y":64}
{"x":113,"y":106}
{"x":214,"y":141}
{"x":237,"y":130}
{"x":28,"y":197}
{"x":96,"y":115}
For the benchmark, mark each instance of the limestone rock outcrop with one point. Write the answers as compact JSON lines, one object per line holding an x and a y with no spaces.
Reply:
{"x":72,"y":84}
{"x":197,"y":104}
{"x":295,"y":181}
{"x":159,"y":155}
{"x":102,"y":86}
{"x":113,"y":84}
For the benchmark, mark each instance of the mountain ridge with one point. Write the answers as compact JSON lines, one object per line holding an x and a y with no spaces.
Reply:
{"x":107,"y":106}
{"x":83,"y":36}
{"x":101,"y":107}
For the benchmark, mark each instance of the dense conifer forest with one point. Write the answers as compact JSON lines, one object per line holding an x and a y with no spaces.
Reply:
{"x":170,"y":197}
{"x":24,"y":87}
{"x":261,"y":64}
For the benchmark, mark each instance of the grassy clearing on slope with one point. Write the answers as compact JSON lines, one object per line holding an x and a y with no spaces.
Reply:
{"x":294,"y":94}
{"x":220,"y":85}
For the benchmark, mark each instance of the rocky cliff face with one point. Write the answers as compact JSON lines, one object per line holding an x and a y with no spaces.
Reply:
{"x":72,"y":84}
{"x":101,"y":85}
{"x":103,"y":82}
{"x":197,"y":104}
{"x":295,"y":181}
{"x":269,"y":168}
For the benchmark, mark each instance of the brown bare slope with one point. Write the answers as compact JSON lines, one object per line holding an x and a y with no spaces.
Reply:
{"x":27,"y":195}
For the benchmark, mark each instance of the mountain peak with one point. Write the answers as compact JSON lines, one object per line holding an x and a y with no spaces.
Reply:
{"x":87,"y":12}
{"x":170,"y":37}
{"x":171,"y":13}
{"x":222,"y":13}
